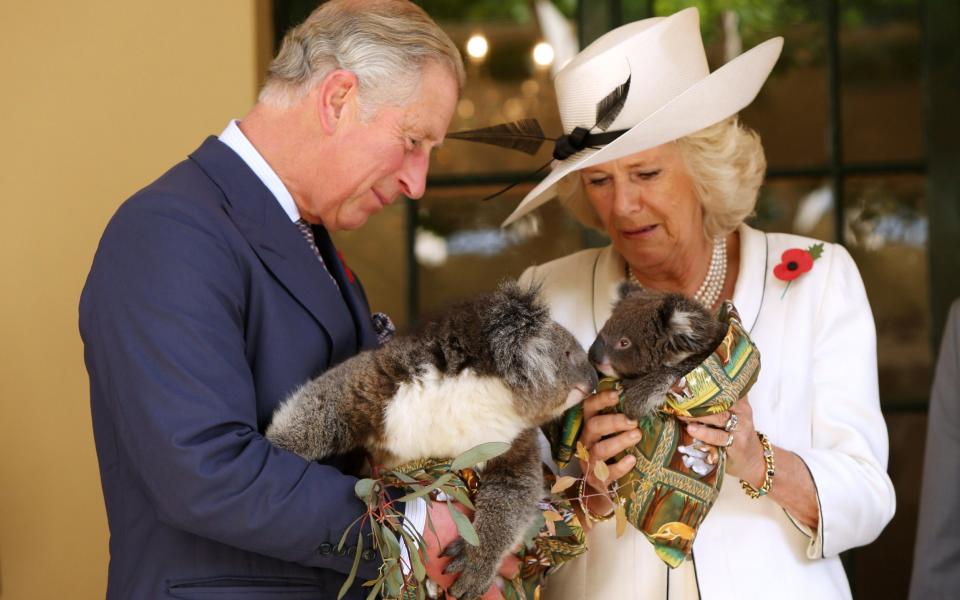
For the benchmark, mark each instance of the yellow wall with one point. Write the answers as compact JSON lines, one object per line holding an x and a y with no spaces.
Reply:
{"x":97,"y":98}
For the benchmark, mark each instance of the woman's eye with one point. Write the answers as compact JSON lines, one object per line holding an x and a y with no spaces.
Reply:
{"x":598,"y":182}
{"x":623,"y":343}
{"x":646,"y":175}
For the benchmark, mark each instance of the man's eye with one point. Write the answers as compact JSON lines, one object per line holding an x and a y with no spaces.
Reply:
{"x":413,"y":143}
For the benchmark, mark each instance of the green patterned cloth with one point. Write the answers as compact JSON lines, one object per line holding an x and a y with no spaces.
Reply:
{"x":663,"y":495}
{"x":558,"y":537}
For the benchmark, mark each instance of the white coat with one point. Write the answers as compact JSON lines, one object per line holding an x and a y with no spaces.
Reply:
{"x":816,"y":396}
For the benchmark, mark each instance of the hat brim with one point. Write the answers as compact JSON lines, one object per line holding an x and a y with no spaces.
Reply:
{"x":721,"y":94}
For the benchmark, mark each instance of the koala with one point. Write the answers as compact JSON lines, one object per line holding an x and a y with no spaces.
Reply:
{"x":492,"y":368}
{"x":649,"y":341}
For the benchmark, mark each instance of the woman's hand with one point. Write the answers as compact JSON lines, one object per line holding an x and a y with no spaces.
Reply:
{"x":605,"y":436}
{"x":744,"y":452}
{"x":793,"y":487}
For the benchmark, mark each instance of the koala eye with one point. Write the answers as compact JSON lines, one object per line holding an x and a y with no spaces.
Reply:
{"x":623,"y":343}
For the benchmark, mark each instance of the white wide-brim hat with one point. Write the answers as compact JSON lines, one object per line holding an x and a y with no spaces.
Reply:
{"x":672,"y":92}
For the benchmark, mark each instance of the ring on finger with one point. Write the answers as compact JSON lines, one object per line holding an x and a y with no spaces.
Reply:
{"x":731,"y":424}
{"x":729,"y":441}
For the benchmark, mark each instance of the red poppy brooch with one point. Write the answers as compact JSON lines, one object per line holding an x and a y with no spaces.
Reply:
{"x":795,"y":262}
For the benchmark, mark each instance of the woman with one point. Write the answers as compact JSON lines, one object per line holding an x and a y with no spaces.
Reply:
{"x":670,"y":178}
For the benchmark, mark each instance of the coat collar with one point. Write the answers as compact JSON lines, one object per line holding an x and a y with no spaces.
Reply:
{"x":277,"y":242}
{"x":749,"y":291}
{"x":609,"y":271}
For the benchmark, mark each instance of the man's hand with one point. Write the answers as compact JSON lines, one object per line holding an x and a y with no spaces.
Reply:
{"x":446,"y":531}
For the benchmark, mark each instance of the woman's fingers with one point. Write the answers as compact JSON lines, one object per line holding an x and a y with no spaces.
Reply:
{"x":602,"y":425}
{"x":612,"y":446}
{"x":710,"y":435}
{"x":598,"y":402}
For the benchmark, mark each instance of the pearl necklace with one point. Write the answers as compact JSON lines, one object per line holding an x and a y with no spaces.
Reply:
{"x":712,"y":284}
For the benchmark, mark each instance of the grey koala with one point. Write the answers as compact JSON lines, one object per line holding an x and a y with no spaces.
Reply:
{"x":649,"y":341}
{"x":493,"y":368}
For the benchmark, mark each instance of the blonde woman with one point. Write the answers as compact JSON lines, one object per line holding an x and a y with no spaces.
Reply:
{"x":670,"y":179}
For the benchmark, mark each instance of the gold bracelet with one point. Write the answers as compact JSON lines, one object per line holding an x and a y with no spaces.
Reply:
{"x":586,"y":509}
{"x":769,"y":472}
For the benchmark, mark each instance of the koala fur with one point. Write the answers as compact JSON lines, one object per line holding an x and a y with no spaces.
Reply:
{"x":650,"y":340}
{"x":493,"y":368}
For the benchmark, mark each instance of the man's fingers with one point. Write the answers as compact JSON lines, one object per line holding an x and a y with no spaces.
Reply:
{"x":510,"y":566}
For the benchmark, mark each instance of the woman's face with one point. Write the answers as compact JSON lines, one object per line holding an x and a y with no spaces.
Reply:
{"x":648,"y":206}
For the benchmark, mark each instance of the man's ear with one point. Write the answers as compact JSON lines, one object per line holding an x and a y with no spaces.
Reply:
{"x":337,"y":94}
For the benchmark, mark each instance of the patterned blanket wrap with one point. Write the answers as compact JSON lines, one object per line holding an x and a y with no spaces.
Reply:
{"x":558,"y":538}
{"x":663,"y":497}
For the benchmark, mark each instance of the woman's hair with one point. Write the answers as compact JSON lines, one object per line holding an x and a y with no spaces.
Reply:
{"x":725,"y":162}
{"x":385,"y":43}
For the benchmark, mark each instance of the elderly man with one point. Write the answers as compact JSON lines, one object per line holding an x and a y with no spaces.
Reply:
{"x":216,"y":291}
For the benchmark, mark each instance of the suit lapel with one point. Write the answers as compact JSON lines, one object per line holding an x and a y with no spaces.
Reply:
{"x":352,"y":291}
{"x":278,"y":243}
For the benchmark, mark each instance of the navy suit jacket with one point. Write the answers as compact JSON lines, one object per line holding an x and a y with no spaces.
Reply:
{"x":203,"y":310}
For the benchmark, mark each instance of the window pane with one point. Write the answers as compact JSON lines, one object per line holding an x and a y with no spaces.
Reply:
{"x":461,"y":249}
{"x":803,"y":206}
{"x":505,"y":81}
{"x":790,"y":112}
{"x":886,"y":232}
{"x":880,"y":54}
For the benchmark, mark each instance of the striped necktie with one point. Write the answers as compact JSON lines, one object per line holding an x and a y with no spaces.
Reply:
{"x":307,"y":233}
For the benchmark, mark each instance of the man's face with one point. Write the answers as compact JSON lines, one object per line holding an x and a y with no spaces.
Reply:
{"x":379,"y":160}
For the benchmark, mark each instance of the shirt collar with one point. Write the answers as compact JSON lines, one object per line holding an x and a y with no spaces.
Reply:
{"x":234,"y":138}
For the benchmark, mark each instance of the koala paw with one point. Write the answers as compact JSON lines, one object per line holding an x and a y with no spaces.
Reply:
{"x":476,"y":575}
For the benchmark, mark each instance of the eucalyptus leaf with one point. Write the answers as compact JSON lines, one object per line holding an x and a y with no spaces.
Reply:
{"x":404,"y":477}
{"x":479,"y":454}
{"x":376,"y":590}
{"x":563,"y":483}
{"x":394,"y":581}
{"x":390,"y":547}
{"x":343,"y":537}
{"x":464,"y":526}
{"x":363,"y":488}
{"x":416,"y":563}
{"x":582,"y":452}
{"x":461,"y":496}
{"x":426,"y":490}
{"x":601,"y":470}
{"x":353,"y":570}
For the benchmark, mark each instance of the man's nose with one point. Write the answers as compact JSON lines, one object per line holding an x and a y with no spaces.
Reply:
{"x":413,"y":175}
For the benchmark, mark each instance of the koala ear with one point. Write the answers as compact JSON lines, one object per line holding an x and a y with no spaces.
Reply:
{"x":517,"y":327}
{"x":626,"y":288}
{"x":690,"y":329}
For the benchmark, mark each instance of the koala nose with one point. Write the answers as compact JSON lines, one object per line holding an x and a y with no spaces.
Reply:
{"x":596,"y":353}
{"x":581,"y":365}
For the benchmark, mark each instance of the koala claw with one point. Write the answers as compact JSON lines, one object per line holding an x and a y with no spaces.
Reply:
{"x":475,"y":576}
